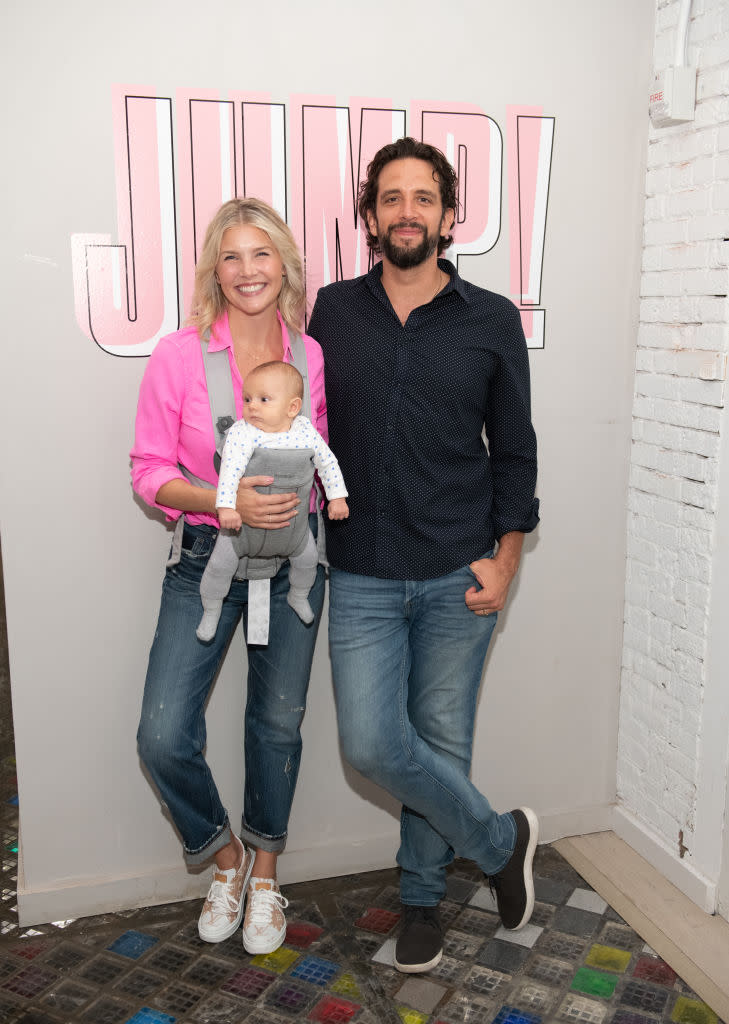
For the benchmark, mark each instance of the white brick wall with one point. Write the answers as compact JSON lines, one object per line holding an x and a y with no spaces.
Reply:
{"x":678,"y":416}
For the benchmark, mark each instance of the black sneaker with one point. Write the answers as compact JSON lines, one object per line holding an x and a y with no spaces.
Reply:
{"x":420,"y":943}
{"x":514,"y":884}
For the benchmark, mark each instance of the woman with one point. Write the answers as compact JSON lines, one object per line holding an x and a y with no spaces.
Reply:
{"x":249,"y":296}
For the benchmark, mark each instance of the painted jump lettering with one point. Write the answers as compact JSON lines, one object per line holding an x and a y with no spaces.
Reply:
{"x":305,"y":158}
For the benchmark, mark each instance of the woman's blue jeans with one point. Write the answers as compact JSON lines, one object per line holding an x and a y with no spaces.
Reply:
{"x":181,"y":672}
{"x":407,"y":658}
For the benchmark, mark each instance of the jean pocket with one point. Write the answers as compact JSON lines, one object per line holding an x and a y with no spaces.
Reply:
{"x":186,"y":574}
{"x":201,"y":547}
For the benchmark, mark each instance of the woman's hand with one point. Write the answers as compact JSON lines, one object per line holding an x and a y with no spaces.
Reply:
{"x":264,"y":511}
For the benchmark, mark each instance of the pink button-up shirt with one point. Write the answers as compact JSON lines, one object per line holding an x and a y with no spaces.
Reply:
{"x":174,"y":424}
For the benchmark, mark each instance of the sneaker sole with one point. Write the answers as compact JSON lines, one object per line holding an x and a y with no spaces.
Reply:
{"x":528,"y":862}
{"x":418,"y":968}
{"x":234,"y":925}
{"x":256,"y":949}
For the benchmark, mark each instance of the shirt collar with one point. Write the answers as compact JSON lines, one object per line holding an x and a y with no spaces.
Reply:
{"x":455,"y":284}
{"x":220,"y":336}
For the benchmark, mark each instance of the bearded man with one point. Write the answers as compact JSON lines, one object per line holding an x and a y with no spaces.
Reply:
{"x":419,"y":366}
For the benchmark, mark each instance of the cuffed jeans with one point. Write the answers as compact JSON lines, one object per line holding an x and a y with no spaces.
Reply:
{"x":407,"y":658}
{"x":181,"y":672}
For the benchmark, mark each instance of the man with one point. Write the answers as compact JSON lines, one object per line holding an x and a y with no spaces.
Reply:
{"x":418,"y":364}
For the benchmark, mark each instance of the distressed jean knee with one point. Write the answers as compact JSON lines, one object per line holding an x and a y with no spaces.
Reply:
{"x":157,"y":746}
{"x":147,"y":745}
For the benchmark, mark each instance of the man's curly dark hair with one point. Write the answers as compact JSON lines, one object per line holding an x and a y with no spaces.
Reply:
{"x":443,"y":174}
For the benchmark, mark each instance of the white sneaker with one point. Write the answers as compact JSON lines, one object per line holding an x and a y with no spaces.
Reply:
{"x":264,"y":928}
{"x":223,"y":908}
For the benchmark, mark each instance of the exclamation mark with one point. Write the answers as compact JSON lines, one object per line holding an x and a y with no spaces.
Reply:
{"x":530,"y":138}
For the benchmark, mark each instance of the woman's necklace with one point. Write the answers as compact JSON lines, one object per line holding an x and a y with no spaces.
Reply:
{"x":249,"y":354}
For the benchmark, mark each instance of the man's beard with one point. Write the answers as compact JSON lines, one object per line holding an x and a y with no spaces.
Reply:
{"x":405,"y":257}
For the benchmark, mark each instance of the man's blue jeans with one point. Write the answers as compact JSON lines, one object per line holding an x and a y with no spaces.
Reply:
{"x":407,"y":658}
{"x":181,"y":672}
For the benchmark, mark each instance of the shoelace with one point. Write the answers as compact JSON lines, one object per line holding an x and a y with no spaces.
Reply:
{"x":261,"y":904}
{"x":221,"y":899}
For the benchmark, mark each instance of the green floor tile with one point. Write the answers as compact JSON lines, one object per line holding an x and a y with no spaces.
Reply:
{"x":593,"y":983}
{"x":692,"y":1011}
{"x":608,"y":958}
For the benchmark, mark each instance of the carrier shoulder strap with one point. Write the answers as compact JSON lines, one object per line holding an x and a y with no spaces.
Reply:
{"x":221,"y":396}
{"x":298,"y":359}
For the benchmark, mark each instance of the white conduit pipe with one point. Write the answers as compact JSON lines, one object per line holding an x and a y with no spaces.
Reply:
{"x":680,"y":57}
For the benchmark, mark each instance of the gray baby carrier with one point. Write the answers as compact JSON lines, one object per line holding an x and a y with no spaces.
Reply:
{"x":262,"y":552}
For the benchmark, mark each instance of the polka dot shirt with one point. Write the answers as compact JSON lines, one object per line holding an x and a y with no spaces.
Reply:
{"x":407,"y":407}
{"x":243,"y":438}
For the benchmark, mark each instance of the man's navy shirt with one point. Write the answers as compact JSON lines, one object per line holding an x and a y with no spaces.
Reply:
{"x":406,"y":407}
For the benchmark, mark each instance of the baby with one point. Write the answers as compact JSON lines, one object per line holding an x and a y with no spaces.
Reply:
{"x":272,"y":398}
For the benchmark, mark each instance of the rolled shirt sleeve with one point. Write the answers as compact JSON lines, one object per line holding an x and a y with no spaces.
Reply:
{"x":512,"y":442}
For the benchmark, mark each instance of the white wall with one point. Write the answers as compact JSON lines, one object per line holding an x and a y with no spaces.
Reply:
{"x":83,"y":565}
{"x":674,"y":710}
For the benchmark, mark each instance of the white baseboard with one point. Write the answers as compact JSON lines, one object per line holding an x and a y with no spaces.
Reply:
{"x":681,"y":873}
{"x":84,"y":897}
{"x":582,"y":821}
{"x":88,"y":896}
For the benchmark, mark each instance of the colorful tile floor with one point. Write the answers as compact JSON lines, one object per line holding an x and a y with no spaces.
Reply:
{"x":576,"y":962}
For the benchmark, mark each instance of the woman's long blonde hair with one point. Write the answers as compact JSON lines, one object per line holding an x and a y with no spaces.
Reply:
{"x":208,"y":301}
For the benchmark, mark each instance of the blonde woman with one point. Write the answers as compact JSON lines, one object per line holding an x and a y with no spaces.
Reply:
{"x":249,"y":299}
